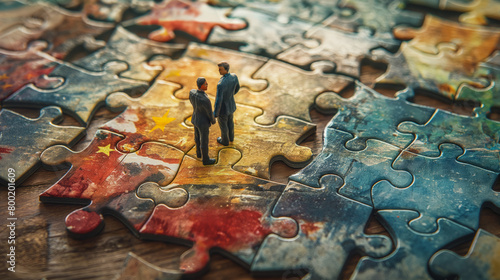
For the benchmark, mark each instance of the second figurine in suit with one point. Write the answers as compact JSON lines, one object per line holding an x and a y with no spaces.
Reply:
{"x":202,"y":119}
{"x":225,"y":106}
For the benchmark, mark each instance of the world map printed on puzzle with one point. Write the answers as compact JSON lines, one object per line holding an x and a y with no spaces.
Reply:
{"x":425,"y":173}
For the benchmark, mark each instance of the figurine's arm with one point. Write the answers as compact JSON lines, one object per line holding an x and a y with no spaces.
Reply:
{"x":218,"y":99}
{"x":237,"y":87}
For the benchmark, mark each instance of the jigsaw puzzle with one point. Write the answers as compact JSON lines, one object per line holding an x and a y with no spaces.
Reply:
{"x":424,"y":172}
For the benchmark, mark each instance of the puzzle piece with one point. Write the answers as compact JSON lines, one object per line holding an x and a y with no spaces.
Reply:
{"x":458,"y":196}
{"x":478,"y":136}
{"x":261,"y":145}
{"x":64,"y":31}
{"x":379,"y":16}
{"x":330,"y":228}
{"x":135,"y":267}
{"x":22,"y":140}
{"x":195,"y":18}
{"x":441,"y":73}
{"x":227,"y":210}
{"x":156,"y":116}
{"x":291,"y":90}
{"x":126,"y":46}
{"x":474,"y":12}
{"x":473,"y":43}
{"x":82,"y":93}
{"x":413,"y":250}
{"x":111,"y":187}
{"x":20,"y":68}
{"x":345,"y":49}
{"x":359,"y":169}
{"x":201,"y":61}
{"x":113,"y":10}
{"x":362,"y":115}
{"x":481,"y":261}
{"x":264,"y":34}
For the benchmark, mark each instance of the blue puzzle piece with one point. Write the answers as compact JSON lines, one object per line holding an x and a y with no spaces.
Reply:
{"x":443,"y":187}
{"x":331,"y":227}
{"x":359,"y":169}
{"x":413,"y":250}
{"x":480,"y":263}
{"x":478,"y":136}
{"x":369,"y":114}
{"x":82,"y":92}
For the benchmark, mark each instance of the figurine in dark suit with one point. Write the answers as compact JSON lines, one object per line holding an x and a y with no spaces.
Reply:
{"x":225,"y":106}
{"x":202,"y":119}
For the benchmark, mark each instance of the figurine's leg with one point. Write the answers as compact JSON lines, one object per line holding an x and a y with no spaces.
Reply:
{"x":197,"y":141}
{"x":224,"y":130}
{"x":204,"y":132}
{"x":230,"y":126}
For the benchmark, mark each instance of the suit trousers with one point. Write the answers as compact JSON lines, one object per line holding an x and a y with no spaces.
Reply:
{"x":201,"y":140}
{"x":226,"y":125}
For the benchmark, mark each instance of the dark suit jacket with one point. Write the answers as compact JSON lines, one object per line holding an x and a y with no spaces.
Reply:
{"x":227,"y":87}
{"x":202,"y":108}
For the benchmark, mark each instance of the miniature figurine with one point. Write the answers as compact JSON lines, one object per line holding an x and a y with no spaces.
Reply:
{"x":225,"y":106}
{"x":202,"y":119}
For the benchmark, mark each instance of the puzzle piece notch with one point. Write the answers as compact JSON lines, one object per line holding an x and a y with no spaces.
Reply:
{"x":362,"y":116}
{"x":82,"y":93}
{"x":262,"y":145}
{"x":481,"y":262}
{"x":478,"y":136}
{"x":111,"y":189}
{"x":227,"y":211}
{"x":23,"y":139}
{"x":413,"y":250}
{"x":196,"y":18}
{"x":155,"y":116}
{"x":291,"y":91}
{"x":458,"y":196}
{"x":331,"y":227}
{"x":359,"y":169}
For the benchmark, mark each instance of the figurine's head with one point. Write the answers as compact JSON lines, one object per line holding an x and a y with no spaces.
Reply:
{"x":223,"y":68}
{"x":202,"y":83}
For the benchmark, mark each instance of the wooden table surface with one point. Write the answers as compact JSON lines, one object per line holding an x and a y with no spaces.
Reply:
{"x":44,"y":249}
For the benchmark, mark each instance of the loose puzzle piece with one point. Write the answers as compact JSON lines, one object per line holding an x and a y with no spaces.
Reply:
{"x":111,"y":187}
{"x":20,"y":68}
{"x":330,"y":228}
{"x":413,"y":250}
{"x":82,"y":93}
{"x":370,"y":115}
{"x":264,"y":34}
{"x":64,"y":31}
{"x":291,"y":90}
{"x":22,"y":140}
{"x":261,"y":145}
{"x":227,"y":211}
{"x":156,"y":116}
{"x":345,"y":49}
{"x":195,"y":18}
{"x":379,"y":16}
{"x":201,"y":61}
{"x":481,"y":262}
{"x":135,"y":268}
{"x":126,"y":46}
{"x":442,"y":73}
{"x":359,"y":169}
{"x":474,"y":12}
{"x":474,"y":43}
{"x":478,"y":136}
{"x":458,"y":196}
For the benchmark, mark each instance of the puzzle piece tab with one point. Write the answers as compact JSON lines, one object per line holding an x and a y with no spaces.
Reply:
{"x":291,"y":91}
{"x":359,"y":169}
{"x":156,"y":116}
{"x":195,"y":18}
{"x":413,"y":250}
{"x":330,"y":228}
{"x":111,"y":187}
{"x":82,"y":93}
{"x":227,"y":211}
{"x":481,"y":262}
{"x":458,"y":195}
{"x":370,"y":115}
{"x":22,"y":140}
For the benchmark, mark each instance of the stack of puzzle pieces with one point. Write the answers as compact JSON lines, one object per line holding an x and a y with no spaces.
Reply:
{"x":424,"y":172}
